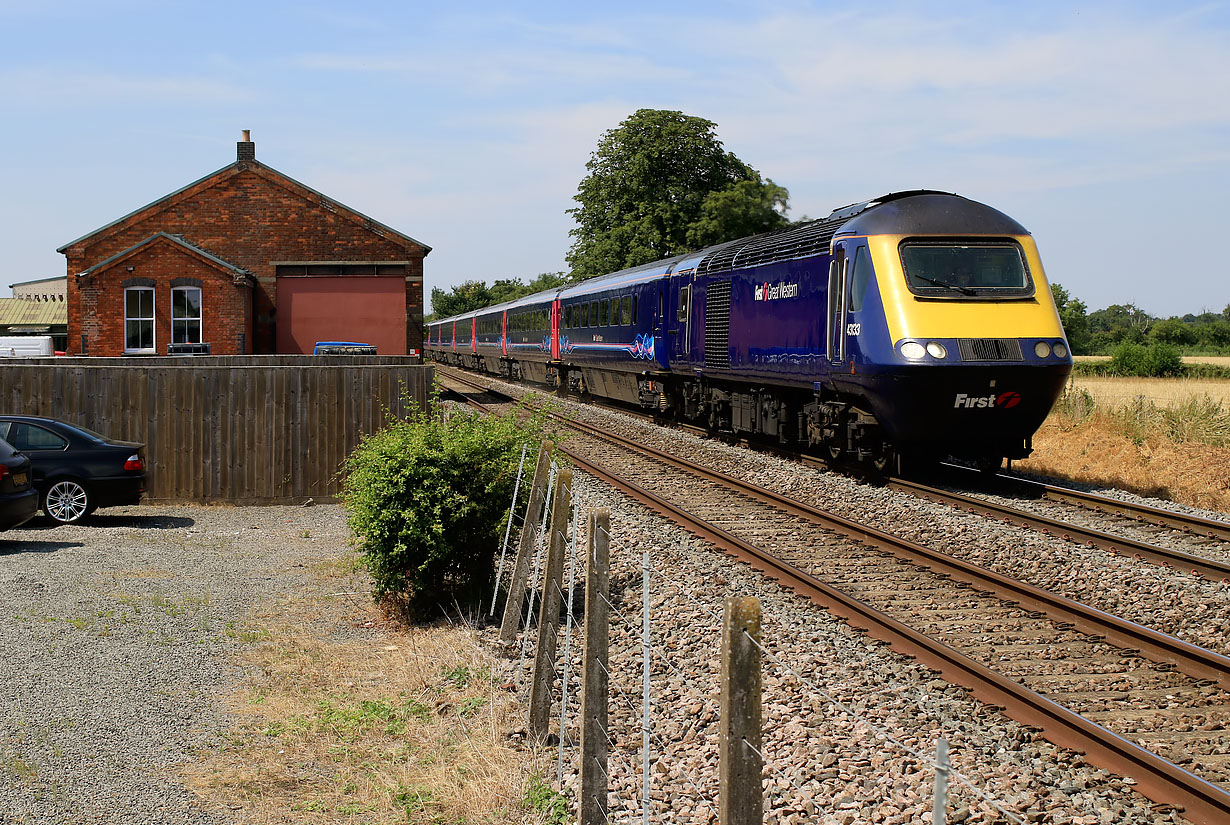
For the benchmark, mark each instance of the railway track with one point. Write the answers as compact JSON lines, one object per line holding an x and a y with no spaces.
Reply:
{"x":1215,"y":569}
{"x":1135,"y":701}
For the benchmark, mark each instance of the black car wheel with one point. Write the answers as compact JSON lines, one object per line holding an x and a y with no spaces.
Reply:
{"x":67,"y":502}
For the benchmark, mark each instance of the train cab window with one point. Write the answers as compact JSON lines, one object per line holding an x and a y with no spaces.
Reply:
{"x":625,"y":315}
{"x":860,"y":278}
{"x":960,"y":268}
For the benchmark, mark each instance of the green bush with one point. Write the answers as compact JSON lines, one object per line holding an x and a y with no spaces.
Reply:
{"x":1152,"y":361}
{"x":427,"y":498}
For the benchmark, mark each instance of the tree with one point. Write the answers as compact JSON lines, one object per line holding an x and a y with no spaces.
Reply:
{"x":1072,"y":316}
{"x":464,"y":297}
{"x":1174,"y":332}
{"x":650,"y":183}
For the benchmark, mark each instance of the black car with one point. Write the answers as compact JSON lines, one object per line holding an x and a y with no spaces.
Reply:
{"x":76,"y":470}
{"x":18,"y":498}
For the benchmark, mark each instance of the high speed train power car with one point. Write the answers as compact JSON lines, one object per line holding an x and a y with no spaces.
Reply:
{"x":918,"y":325}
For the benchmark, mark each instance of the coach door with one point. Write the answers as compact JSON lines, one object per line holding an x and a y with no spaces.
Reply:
{"x":835,"y":328}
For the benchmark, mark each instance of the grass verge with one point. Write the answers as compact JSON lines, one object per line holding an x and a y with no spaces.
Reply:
{"x":1178,"y":451}
{"x":399,"y":726}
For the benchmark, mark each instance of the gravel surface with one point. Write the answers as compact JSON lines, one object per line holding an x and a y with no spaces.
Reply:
{"x":842,"y":713}
{"x":1167,"y":600}
{"x":117,"y":640}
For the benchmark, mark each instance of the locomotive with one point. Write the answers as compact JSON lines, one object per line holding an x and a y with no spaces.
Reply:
{"x":908,"y":328}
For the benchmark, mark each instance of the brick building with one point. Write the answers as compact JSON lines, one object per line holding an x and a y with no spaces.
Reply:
{"x":245,"y":260}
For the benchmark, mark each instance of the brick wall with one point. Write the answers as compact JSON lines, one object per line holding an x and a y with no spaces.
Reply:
{"x":252,"y":217}
{"x":225,"y":306}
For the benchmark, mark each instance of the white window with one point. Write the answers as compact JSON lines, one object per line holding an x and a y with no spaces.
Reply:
{"x":185,"y":315}
{"x":139,"y":319}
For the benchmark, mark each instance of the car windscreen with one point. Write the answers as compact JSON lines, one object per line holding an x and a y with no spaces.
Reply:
{"x":966,"y":269}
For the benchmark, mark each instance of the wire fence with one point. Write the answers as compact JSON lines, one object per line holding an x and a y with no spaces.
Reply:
{"x":665,"y":742}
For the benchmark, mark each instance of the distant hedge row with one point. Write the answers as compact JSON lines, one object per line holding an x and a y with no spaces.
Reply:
{"x":1150,"y":361}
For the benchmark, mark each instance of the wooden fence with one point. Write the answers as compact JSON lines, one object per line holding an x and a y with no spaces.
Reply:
{"x":235,"y":429}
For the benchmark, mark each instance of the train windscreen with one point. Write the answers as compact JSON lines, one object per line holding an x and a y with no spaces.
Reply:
{"x":956,"y":269}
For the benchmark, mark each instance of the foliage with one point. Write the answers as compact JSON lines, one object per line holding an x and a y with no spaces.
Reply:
{"x":551,"y":805}
{"x":472,"y":295}
{"x":1072,"y":314}
{"x":426,"y":498}
{"x":659,"y":184}
{"x":464,"y":297}
{"x":1152,"y":361}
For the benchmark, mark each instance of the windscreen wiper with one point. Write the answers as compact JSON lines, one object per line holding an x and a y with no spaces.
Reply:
{"x":964,"y":290}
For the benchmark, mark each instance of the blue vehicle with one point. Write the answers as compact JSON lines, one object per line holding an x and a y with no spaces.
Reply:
{"x":914,"y":326}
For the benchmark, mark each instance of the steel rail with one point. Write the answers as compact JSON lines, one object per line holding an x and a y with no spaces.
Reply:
{"x":1197,"y":525}
{"x":1198,"y":566}
{"x":1158,"y":779}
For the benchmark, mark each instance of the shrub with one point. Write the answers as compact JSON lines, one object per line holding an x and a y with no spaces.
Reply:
{"x":427,"y":497}
{"x":1153,"y":361}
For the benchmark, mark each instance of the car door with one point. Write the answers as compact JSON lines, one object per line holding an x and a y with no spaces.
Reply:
{"x":45,"y":449}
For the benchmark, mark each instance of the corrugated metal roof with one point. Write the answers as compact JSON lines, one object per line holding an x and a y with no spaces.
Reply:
{"x":17,"y":312}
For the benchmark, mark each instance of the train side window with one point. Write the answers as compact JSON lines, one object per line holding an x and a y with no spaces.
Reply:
{"x":612,"y":317}
{"x":626,"y":314}
{"x":603,"y":310}
{"x":593,"y":313}
{"x":860,"y":279}
{"x":682,"y":314}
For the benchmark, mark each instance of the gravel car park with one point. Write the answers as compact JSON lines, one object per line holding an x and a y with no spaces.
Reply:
{"x":118,"y":640}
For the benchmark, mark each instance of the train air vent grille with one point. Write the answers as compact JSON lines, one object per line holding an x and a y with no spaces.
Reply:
{"x":717,"y":325}
{"x":990,"y":349}
{"x":787,"y":244}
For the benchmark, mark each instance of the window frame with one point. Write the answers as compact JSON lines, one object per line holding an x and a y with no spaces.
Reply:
{"x":153,"y":325}
{"x":200,"y":316}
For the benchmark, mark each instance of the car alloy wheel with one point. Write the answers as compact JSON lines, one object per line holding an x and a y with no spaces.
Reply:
{"x":66,"y":502}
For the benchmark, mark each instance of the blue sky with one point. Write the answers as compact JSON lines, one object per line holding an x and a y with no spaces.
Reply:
{"x":1103,"y":127}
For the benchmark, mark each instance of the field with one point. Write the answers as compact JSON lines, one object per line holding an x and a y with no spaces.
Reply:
{"x":1161,"y":437}
{"x":1219,"y":360}
{"x":1168,"y":392}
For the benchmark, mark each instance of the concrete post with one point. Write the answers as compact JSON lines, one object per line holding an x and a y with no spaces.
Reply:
{"x":548,"y":618}
{"x":525,"y":549}
{"x":740,"y":799}
{"x":594,"y":785}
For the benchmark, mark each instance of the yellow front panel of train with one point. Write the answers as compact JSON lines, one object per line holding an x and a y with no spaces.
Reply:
{"x":909,"y":316}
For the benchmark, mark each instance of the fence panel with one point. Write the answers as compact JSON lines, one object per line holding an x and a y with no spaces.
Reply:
{"x":235,"y":429}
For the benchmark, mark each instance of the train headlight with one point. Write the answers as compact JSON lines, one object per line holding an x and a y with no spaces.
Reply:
{"x":1042,"y":349}
{"x":1060,"y":350}
{"x":913,"y":350}
{"x":936,"y":350}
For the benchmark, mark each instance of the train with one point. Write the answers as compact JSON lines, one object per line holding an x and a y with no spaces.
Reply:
{"x":897,"y":331}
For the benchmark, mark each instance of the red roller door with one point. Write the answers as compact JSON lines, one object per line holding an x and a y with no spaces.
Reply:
{"x":367,"y":310}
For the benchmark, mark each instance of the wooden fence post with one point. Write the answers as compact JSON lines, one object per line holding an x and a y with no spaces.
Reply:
{"x":594,"y":785}
{"x":548,"y":618}
{"x":740,"y":799}
{"x":525,"y":548}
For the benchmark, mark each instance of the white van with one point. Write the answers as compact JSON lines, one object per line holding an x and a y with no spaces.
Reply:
{"x":26,"y":346}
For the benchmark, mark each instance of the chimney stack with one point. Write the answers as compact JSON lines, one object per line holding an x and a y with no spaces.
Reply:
{"x":245,"y":150}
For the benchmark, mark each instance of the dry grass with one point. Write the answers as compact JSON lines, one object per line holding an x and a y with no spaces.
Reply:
{"x":1110,"y":391}
{"x":1177,"y":451}
{"x":408,"y":727}
{"x":1218,"y":360}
